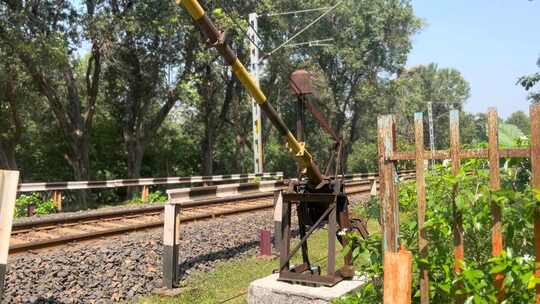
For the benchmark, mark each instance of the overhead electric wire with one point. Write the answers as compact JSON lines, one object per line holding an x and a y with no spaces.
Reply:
{"x":303,"y":30}
{"x":295,"y":12}
{"x":226,"y":10}
{"x":312,"y":43}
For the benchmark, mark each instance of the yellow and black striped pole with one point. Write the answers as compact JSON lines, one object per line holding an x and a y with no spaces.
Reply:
{"x":213,"y":38}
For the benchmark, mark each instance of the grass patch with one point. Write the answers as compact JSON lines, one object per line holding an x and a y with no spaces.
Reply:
{"x":231,"y":279}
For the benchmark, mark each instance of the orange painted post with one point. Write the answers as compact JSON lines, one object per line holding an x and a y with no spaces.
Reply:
{"x":398,"y":277}
{"x":387,"y":183}
{"x":535,"y":166}
{"x":495,"y":185}
{"x":457,"y":226}
{"x":57,"y":200}
{"x":421,"y":197}
{"x":145,"y":194}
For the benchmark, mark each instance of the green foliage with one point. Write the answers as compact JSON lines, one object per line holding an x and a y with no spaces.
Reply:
{"x":528,"y":82}
{"x":156,"y":197}
{"x":520,"y":120}
{"x":473,"y":199}
{"x":363,"y":157}
{"x":509,"y":134}
{"x":42,"y":206}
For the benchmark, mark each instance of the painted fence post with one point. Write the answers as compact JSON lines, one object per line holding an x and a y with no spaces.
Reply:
{"x":387,"y":179}
{"x":8,"y":194}
{"x":171,"y":244}
{"x":421,"y":197}
{"x":145,"y":194}
{"x":398,"y":277}
{"x":456,"y":164}
{"x":457,"y":226}
{"x":535,"y":166}
{"x":57,"y":200}
{"x":495,"y":185}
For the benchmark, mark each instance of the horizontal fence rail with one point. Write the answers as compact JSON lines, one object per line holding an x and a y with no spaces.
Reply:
{"x":180,"y":196}
{"x":388,"y":157}
{"x":118,"y":183}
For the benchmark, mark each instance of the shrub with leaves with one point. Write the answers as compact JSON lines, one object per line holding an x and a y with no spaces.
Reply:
{"x":518,"y":203}
{"x":156,"y":197}
{"x":42,"y":206}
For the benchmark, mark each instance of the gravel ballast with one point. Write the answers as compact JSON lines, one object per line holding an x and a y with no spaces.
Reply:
{"x":128,"y":266}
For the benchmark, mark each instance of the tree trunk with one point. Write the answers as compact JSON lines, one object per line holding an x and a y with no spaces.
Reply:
{"x":135,"y":154}
{"x":207,"y":149}
{"x":353,"y":136}
{"x":7,"y":156}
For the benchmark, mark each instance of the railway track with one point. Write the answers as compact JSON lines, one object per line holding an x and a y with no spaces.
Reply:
{"x":46,"y":233}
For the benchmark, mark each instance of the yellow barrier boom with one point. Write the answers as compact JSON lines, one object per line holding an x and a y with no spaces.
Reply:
{"x":214,"y":38}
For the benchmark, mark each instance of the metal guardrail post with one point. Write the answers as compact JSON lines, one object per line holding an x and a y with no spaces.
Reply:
{"x":171,"y":242}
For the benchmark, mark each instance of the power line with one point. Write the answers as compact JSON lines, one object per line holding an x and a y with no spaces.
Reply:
{"x":303,"y":30}
{"x":319,"y":42}
{"x":295,"y":12}
{"x":227,"y":9}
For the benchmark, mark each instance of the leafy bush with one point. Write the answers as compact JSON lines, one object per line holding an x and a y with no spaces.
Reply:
{"x":42,"y":206}
{"x":518,"y":203}
{"x":156,"y":197}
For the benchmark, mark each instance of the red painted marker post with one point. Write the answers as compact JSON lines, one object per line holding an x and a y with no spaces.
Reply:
{"x":265,"y":243}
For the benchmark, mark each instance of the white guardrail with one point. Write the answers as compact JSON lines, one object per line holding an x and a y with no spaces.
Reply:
{"x":117,"y":183}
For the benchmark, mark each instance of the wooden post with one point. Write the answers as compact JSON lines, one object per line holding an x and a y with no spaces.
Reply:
{"x":457,"y":226}
{"x":495,"y":185}
{"x":171,"y":244}
{"x":397,"y":277}
{"x":8,"y":193}
{"x":57,"y":199}
{"x":388,"y":188}
{"x":535,"y":166}
{"x":145,"y":193}
{"x":456,"y":163}
{"x":421,"y":197}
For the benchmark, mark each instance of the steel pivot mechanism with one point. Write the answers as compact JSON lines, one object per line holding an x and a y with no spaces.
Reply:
{"x":319,"y":198}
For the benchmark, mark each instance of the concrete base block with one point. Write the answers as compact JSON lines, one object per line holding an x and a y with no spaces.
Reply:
{"x":166,"y":292}
{"x":269,"y":290}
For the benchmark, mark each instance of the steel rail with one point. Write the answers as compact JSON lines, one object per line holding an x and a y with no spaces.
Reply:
{"x":40,"y":244}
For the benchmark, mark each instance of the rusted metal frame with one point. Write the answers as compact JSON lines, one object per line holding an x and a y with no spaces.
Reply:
{"x":285,"y":236}
{"x":286,"y":255}
{"x":319,"y":117}
{"x":388,"y":180}
{"x":495,"y":185}
{"x":421,"y":197}
{"x":535,"y":166}
{"x":309,"y":197}
{"x":214,"y":38}
{"x":463,"y":154}
{"x":332,"y":228}
{"x":301,"y":211}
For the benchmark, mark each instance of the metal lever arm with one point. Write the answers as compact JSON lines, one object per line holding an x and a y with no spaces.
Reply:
{"x":214,"y":38}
